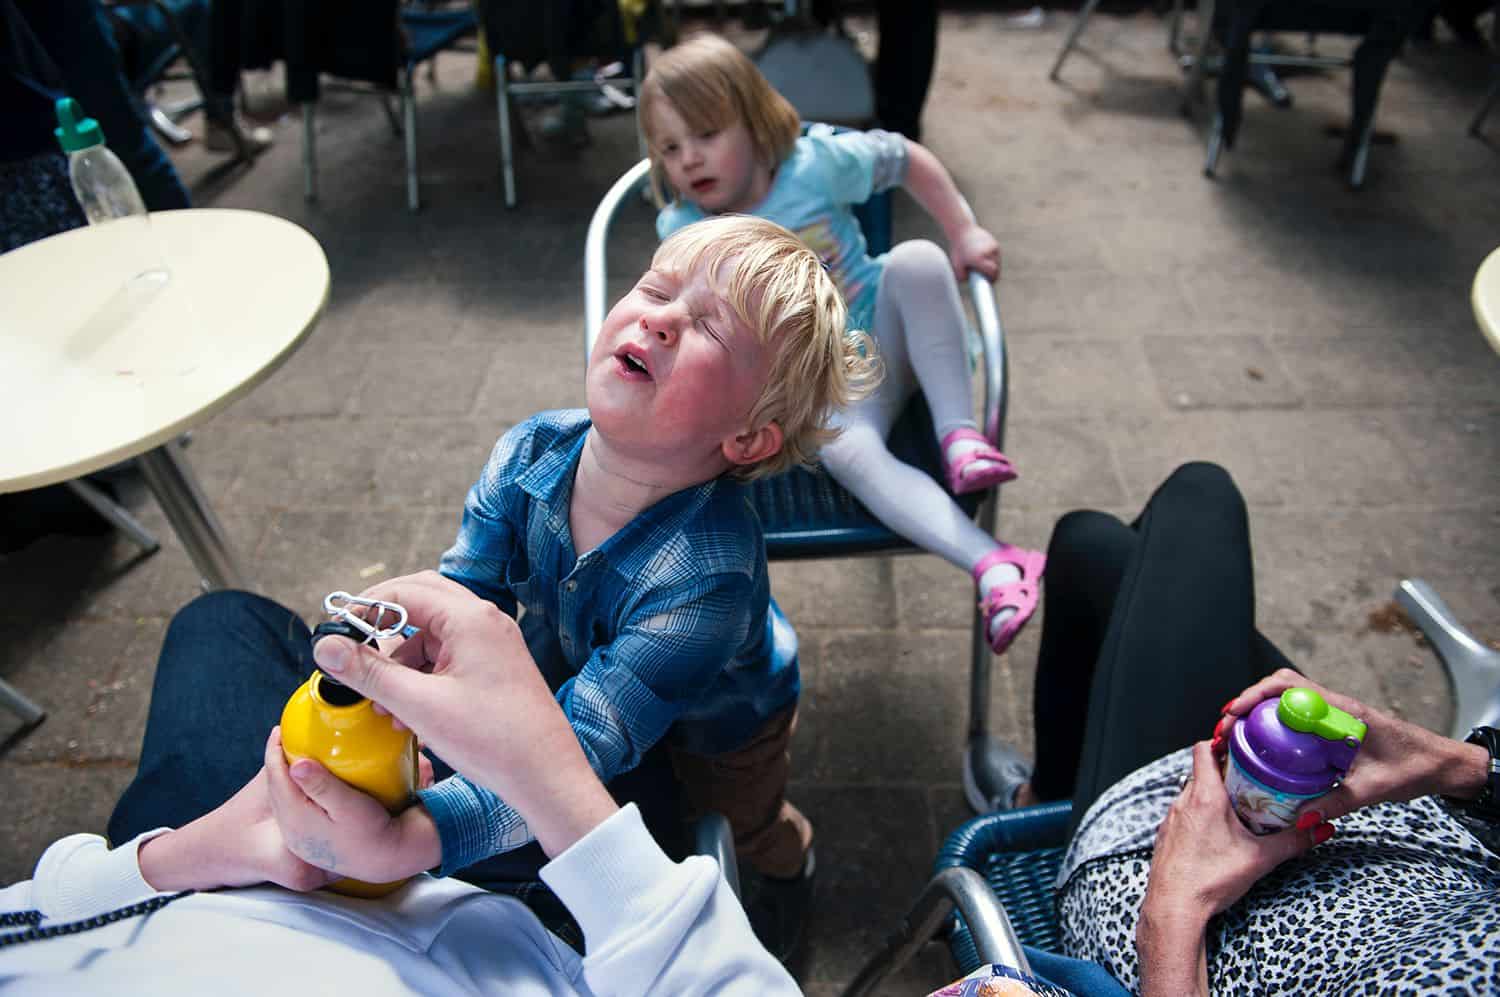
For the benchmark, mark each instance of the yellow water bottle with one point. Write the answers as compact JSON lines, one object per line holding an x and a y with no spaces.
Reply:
{"x":330,"y":723}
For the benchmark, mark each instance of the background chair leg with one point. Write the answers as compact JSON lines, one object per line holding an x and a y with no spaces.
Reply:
{"x":1361,"y":158}
{"x":116,"y":514}
{"x":502,"y":98}
{"x":1215,"y":145}
{"x":1073,"y":33}
{"x":309,"y":153}
{"x":409,"y":123}
{"x":638,"y":76}
{"x":392,"y":117}
{"x":1192,"y":88}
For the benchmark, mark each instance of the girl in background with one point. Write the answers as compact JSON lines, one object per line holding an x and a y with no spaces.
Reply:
{"x":723,"y":140}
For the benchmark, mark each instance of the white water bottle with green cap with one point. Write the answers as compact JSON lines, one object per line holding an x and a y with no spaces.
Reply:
{"x":103,"y":186}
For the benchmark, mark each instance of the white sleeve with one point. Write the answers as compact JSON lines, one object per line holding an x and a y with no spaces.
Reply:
{"x":654,"y":926}
{"x":80,"y":875}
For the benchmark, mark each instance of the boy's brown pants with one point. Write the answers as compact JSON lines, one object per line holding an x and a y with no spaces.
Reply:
{"x":748,"y":786}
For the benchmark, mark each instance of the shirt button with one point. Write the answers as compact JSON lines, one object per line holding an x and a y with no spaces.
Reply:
{"x":572,"y":586}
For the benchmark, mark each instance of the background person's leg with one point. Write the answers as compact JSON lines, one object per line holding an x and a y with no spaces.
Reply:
{"x":1086,"y":559}
{"x":228,"y":665}
{"x":903,"y":66}
{"x":1180,"y":638}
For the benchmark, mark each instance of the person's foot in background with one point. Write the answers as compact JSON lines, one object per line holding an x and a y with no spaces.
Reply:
{"x":219,"y":135}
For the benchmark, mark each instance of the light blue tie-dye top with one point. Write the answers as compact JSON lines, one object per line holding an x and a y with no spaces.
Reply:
{"x":813,"y":193}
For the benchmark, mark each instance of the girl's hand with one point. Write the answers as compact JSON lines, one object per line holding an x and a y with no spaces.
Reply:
{"x":1204,"y":861}
{"x":337,"y":828}
{"x":1398,"y":761}
{"x":975,"y":249}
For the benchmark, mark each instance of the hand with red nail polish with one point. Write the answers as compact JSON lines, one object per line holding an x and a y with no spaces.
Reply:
{"x":1203,"y":861}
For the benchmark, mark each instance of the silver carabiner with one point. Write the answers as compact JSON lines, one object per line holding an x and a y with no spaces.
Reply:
{"x":342,"y":605}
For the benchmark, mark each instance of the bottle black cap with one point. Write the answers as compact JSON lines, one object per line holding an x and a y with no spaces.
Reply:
{"x":334,"y":692}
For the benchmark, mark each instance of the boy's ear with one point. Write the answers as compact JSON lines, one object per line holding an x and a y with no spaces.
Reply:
{"x":754,"y":446}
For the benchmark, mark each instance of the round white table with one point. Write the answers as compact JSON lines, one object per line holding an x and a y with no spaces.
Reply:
{"x":102,"y":365}
{"x":1485,"y":295}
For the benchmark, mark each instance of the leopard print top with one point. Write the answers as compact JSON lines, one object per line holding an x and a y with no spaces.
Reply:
{"x":1403,"y":900}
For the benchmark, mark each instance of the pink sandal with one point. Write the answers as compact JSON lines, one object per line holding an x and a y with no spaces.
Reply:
{"x":1020,"y":596}
{"x":998,"y":473}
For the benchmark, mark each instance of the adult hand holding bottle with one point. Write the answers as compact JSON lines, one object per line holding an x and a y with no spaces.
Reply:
{"x":1399,"y":760}
{"x":467,"y":685}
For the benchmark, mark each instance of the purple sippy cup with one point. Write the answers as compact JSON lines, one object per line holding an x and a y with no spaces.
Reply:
{"x":1286,"y":752}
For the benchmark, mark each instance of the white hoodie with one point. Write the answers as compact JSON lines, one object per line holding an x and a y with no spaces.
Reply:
{"x":652,"y":927}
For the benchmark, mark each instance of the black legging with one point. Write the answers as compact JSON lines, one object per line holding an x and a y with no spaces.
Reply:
{"x":1149,"y":630}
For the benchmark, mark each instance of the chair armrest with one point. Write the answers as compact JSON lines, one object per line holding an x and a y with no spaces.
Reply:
{"x":712,"y":837}
{"x":1042,"y":826}
{"x":1473,"y":669}
{"x":992,"y":342}
{"x":954,"y":888}
{"x":595,"y":268}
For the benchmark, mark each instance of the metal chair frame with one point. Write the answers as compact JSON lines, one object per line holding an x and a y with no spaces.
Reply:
{"x":1473,"y":670}
{"x":953,"y":890}
{"x":505,"y":88}
{"x":1197,"y":57}
{"x":981,"y":757}
{"x":406,"y":128}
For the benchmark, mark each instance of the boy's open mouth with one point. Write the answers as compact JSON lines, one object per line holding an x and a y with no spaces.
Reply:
{"x":632,"y":364}
{"x":699,"y":186}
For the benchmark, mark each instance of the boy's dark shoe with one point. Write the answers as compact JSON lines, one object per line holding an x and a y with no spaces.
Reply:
{"x":777,"y":909}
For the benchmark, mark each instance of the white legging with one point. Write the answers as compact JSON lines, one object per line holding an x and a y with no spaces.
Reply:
{"x":919,"y":331}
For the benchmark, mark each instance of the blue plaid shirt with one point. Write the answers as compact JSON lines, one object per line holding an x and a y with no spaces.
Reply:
{"x":665,"y":629}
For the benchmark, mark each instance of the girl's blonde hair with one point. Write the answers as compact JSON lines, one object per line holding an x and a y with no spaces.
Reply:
{"x":779,"y":288}
{"x":712,"y":84}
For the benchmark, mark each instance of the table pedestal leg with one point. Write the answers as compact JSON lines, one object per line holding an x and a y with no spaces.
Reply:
{"x":115,"y":513}
{"x":172,"y":481}
{"x":30,"y":713}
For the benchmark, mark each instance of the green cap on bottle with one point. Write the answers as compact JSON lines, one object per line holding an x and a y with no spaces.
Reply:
{"x":1303,"y":709}
{"x":74,"y":131}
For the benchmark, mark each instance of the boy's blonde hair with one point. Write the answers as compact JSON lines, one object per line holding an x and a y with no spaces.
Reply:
{"x":780,"y":290}
{"x":712,"y":84}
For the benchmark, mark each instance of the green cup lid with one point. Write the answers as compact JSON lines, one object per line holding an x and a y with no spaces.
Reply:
{"x":1304,"y":710}
{"x":74,"y":131}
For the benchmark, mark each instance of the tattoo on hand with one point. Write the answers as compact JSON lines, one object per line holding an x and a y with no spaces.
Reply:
{"x":318,"y":852}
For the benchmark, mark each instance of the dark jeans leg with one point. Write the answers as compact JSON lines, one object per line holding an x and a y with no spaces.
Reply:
{"x":228,"y":665}
{"x":1179,"y":639}
{"x":77,"y":35}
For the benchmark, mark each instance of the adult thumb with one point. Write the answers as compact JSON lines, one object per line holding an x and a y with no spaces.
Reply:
{"x":371,"y":674}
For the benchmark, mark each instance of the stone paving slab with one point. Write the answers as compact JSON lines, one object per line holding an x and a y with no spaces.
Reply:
{"x":1318,"y":343}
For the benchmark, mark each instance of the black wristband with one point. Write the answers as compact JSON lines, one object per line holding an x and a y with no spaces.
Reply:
{"x":1485,"y":806}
